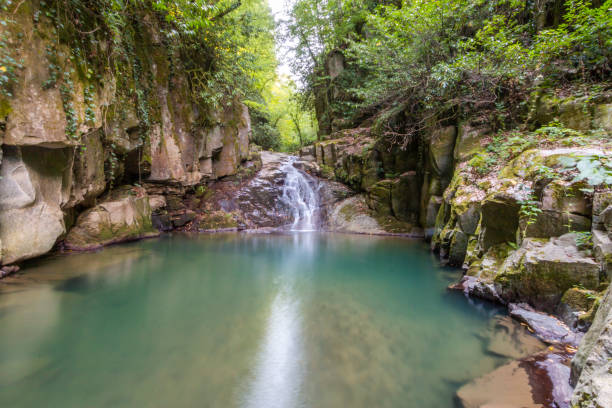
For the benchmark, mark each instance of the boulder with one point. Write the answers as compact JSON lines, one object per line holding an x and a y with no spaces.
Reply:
{"x":592,"y":366}
{"x":34,"y":185}
{"x":353,"y":215}
{"x":123,"y":216}
{"x":540,"y":272}
{"x":547,"y":328}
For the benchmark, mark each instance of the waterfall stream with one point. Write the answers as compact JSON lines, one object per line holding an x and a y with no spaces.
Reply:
{"x":300,"y":195}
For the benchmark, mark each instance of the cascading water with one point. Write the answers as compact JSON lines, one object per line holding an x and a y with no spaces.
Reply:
{"x":300,"y":196}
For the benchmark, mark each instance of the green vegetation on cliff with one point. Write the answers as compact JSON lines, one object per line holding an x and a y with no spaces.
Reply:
{"x":413,"y":63}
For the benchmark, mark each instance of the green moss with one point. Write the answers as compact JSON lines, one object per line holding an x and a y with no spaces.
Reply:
{"x":5,"y":108}
{"x":327,"y":172}
{"x":218,"y":220}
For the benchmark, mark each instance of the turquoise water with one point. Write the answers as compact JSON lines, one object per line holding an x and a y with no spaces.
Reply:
{"x":304,"y":320}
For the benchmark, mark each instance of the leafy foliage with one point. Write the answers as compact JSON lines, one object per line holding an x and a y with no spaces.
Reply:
{"x":436,"y":60}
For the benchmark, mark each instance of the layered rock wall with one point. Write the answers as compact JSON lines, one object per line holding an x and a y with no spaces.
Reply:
{"x":73,"y":128}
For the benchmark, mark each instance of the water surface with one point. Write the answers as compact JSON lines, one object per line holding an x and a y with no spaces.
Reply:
{"x":301,"y":320}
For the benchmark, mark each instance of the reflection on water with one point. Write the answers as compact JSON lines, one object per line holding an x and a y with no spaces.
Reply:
{"x":301,"y":320}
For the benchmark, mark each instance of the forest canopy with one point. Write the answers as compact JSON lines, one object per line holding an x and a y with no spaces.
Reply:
{"x":437,"y":58}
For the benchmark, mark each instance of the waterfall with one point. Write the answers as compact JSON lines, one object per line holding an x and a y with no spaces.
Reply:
{"x":300,"y":196}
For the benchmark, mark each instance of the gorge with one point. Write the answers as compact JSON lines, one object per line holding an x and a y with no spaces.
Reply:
{"x":435,"y":230}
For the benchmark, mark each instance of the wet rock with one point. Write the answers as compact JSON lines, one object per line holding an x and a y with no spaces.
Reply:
{"x":125,"y":215}
{"x":534,"y":382}
{"x":309,"y":167}
{"x":542,"y":270}
{"x":218,"y":221}
{"x":547,"y":328}
{"x":162,"y":222}
{"x":592,"y":366}
{"x":8,"y":270}
{"x":479,"y":288}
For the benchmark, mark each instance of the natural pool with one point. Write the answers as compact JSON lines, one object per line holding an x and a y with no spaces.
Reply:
{"x":239,"y":320}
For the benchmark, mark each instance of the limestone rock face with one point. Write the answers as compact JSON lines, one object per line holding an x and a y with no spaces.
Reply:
{"x":541,"y":271}
{"x":353,"y":215}
{"x":468,"y":142}
{"x":125,"y":215}
{"x":35,"y":184}
{"x":500,"y":221}
{"x":69,"y":135}
{"x":88,"y":180}
{"x":592,"y":365}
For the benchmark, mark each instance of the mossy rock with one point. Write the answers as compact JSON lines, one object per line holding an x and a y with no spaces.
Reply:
{"x":218,"y":220}
{"x":379,"y":198}
{"x":541,"y":271}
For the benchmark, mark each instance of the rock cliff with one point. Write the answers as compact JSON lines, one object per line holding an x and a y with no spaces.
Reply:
{"x":74,"y":127}
{"x":525,"y":212}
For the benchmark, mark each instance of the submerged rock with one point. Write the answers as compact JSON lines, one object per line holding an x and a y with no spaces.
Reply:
{"x":510,"y":339}
{"x":125,"y":215}
{"x":539,"y":381}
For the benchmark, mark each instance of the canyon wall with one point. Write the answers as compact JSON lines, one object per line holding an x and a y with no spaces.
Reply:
{"x":74,"y":128}
{"x":526,"y":212}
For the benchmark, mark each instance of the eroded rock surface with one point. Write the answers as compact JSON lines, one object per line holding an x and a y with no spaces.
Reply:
{"x":592,"y":365}
{"x":125,"y":215}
